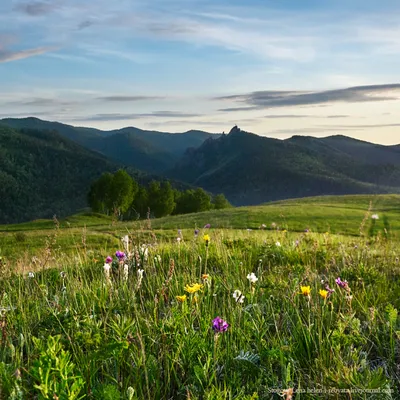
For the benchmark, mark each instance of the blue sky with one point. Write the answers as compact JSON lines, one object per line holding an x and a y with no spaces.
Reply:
{"x":276,"y":68}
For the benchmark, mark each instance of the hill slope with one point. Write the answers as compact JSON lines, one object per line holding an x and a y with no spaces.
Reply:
{"x":42,"y":174}
{"x":251,"y":169}
{"x":151,"y":151}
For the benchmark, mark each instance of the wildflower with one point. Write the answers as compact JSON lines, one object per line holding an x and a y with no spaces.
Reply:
{"x":207,"y":226}
{"x":252,"y":278}
{"x":273,"y":225}
{"x":125,"y":242}
{"x":126,"y":272}
{"x":120,"y":255}
{"x":31,"y":275}
{"x":342,"y":284}
{"x":305,"y":290}
{"x":297,"y":243}
{"x":219,"y":325}
{"x":375,"y":216}
{"x":324,"y":294}
{"x":109,"y":260}
{"x":206,"y":238}
{"x":178,"y":239}
{"x":238,"y":296}
{"x":63,"y":274}
{"x":140,"y":278}
{"x":205,"y":277}
{"x":306,"y":230}
{"x":278,"y":244}
{"x":196,"y":232}
{"x":249,"y":230}
{"x":181,"y":299}
{"x":107,"y":272}
{"x":330,"y":291}
{"x":284,"y":231}
{"x":179,"y":232}
{"x":263,"y":226}
{"x":193,"y":288}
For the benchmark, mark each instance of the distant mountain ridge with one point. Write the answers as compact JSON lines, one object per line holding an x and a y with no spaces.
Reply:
{"x":251,"y":169}
{"x":151,"y":151}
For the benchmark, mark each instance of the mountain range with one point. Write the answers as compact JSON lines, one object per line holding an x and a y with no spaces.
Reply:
{"x":149,"y":151}
{"x":47,"y":166}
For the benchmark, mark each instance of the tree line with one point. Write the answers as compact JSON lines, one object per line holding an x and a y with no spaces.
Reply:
{"x":120,"y":194}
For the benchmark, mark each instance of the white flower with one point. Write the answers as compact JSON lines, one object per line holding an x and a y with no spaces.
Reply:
{"x":252,"y":278}
{"x":126,"y":272}
{"x":125,"y":242}
{"x":178,"y":239}
{"x":238,"y":296}
{"x":31,"y":275}
{"x":140,"y":277}
{"x":107,"y":272}
{"x":278,"y":244}
{"x":375,"y":216}
{"x":249,"y":230}
{"x":125,"y":239}
{"x":63,"y":274}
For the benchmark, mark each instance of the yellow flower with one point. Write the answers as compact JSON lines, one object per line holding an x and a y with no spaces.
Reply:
{"x":193,"y":288}
{"x":305,"y":290}
{"x":206,"y":238}
{"x":181,"y":299}
{"x":284,"y":231}
{"x":323,"y":293}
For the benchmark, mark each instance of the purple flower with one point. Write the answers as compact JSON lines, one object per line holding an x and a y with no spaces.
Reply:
{"x":196,"y":232}
{"x":340,"y":283}
{"x":330,"y":291}
{"x":306,"y":230}
{"x":208,"y":226}
{"x":219,"y":325}
{"x":120,"y":255}
{"x":109,"y":260}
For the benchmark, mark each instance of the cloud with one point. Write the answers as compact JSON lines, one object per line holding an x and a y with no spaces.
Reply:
{"x":129,"y":98}
{"x":7,"y":55}
{"x":271,"y":99}
{"x":37,"y":8}
{"x":294,"y":116}
{"x":125,"y":117}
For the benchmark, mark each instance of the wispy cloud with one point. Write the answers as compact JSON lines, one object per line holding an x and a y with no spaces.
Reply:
{"x":36,"y":8}
{"x":8,"y":55}
{"x":271,"y":99}
{"x":127,"y":117}
{"x":129,"y":98}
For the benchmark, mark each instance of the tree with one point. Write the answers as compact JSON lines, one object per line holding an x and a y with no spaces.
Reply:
{"x":140,"y":203}
{"x":112,"y":193}
{"x":161,"y":198}
{"x":122,"y":191}
{"x":220,"y":202}
{"x":192,"y":201}
{"x":99,"y":194}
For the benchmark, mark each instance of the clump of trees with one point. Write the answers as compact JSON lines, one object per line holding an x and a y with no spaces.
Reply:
{"x":120,"y":194}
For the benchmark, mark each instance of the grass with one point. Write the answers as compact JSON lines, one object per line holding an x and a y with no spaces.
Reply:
{"x":70,"y":330}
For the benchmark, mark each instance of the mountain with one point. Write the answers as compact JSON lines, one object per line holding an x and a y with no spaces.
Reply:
{"x":43,"y":173}
{"x":251,"y":169}
{"x":151,"y":151}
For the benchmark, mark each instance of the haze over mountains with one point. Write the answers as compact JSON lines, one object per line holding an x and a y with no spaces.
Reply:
{"x":46,"y":166}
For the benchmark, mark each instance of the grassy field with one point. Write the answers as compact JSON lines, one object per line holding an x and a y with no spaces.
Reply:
{"x":145,"y":327}
{"x":339,"y":215}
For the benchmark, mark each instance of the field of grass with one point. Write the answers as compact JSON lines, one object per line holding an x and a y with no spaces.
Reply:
{"x":72,"y":329}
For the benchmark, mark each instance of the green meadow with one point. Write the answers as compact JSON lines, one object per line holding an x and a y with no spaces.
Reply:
{"x":307,"y":292}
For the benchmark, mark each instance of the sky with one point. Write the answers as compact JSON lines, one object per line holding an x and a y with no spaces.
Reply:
{"x":275,"y":68}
